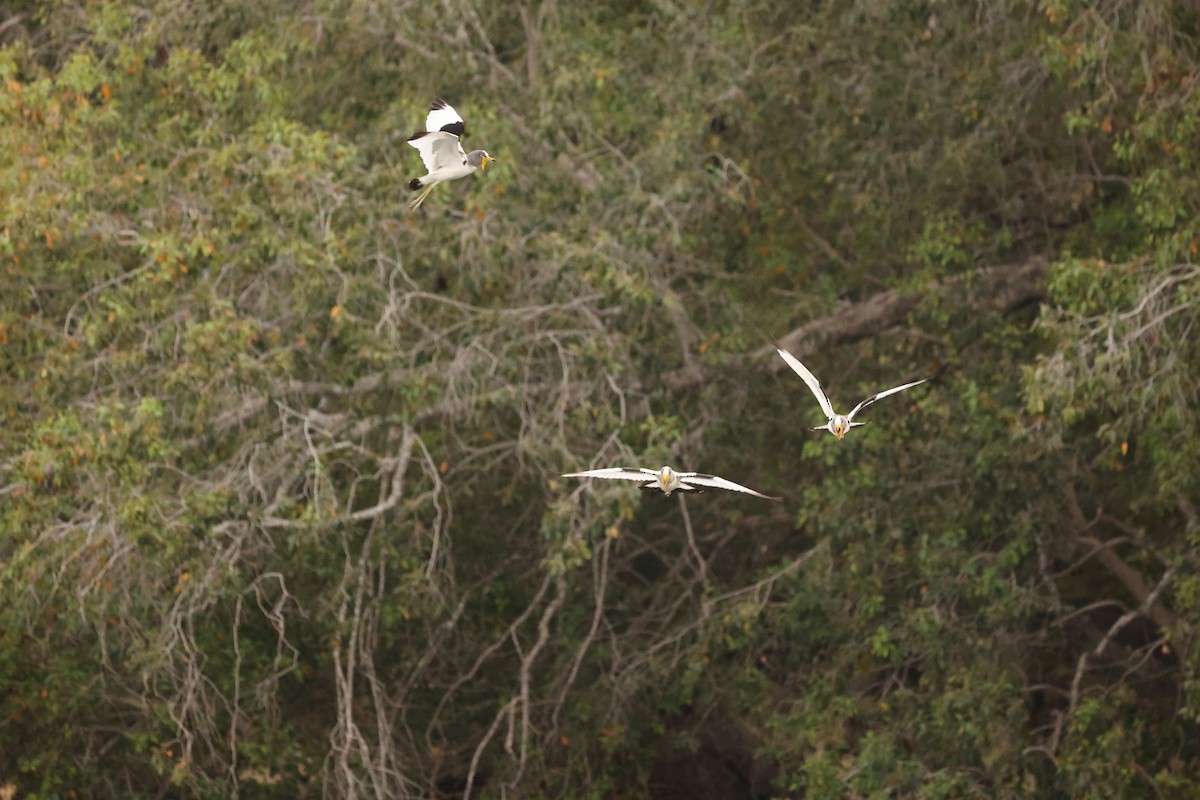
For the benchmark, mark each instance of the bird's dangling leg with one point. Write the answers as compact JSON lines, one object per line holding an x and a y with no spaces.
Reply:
{"x":416,"y":201}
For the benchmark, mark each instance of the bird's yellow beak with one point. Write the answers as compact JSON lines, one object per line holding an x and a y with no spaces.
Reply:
{"x":839,"y":431}
{"x":664,"y":479}
{"x":486,"y":160}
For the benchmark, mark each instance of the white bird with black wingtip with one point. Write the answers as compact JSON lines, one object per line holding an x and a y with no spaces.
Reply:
{"x":838,"y":424}
{"x":442,"y":151}
{"x":667,"y":480}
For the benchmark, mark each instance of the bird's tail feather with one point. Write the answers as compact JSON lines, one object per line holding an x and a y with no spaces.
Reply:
{"x":414,"y":184}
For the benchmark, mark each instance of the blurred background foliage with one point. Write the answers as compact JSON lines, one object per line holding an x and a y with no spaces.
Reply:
{"x":278,"y":466}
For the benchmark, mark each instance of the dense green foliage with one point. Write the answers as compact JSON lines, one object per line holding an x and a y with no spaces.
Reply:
{"x":278,"y":469}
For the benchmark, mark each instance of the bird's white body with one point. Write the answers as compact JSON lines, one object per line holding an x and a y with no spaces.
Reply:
{"x":450,"y":172}
{"x":667,"y":480}
{"x":442,"y":152}
{"x":837,"y":424}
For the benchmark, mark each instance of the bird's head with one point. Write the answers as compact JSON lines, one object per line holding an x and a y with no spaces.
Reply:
{"x":839,"y":427}
{"x":479,"y":158}
{"x":664,"y":476}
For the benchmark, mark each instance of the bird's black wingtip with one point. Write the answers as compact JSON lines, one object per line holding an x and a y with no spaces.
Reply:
{"x":414,"y":184}
{"x":438,"y":104}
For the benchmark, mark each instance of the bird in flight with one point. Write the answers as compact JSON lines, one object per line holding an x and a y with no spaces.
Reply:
{"x":837,"y":424}
{"x":442,"y":152}
{"x":667,"y":480}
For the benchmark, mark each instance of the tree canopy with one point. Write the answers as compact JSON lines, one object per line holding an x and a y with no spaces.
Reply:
{"x":279,"y":467}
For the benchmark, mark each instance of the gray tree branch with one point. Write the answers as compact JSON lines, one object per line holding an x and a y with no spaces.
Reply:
{"x":1000,"y":288}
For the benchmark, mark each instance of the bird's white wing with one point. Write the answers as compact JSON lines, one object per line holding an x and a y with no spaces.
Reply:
{"x":809,"y":378}
{"x":882,"y":395}
{"x":616,"y":473}
{"x":438,"y":150}
{"x":444,"y":118}
{"x":715,"y":482}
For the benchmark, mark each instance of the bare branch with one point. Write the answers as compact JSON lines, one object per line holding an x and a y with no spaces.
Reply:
{"x":1130,"y":578}
{"x":1000,"y":288}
